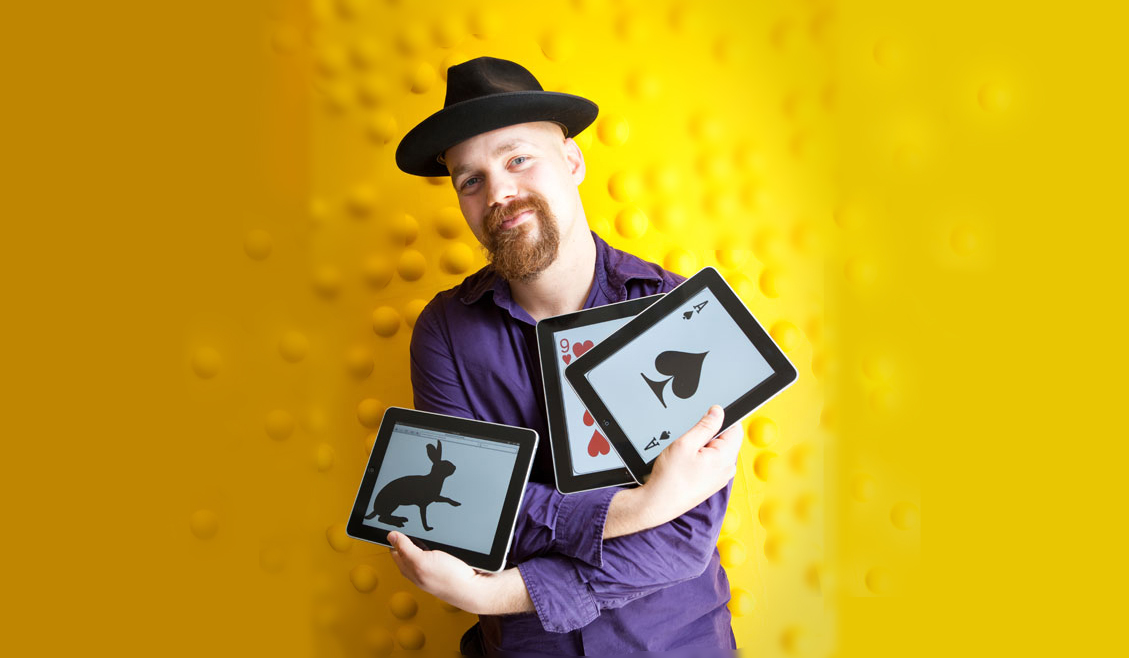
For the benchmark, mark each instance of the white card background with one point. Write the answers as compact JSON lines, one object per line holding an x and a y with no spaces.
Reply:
{"x":579,"y":434}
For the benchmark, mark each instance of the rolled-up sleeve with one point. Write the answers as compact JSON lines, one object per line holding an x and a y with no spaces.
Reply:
{"x":632,"y":566}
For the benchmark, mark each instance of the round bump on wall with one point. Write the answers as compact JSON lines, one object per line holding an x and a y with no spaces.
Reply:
{"x":279,"y":424}
{"x":681,"y":261}
{"x":403,"y":229}
{"x":764,"y":465}
{"x":763,"y":432}
{"x":323,"y":457}
{"x":359,"y":362}
{"x":364,"y":578}
{"x":813,"y":577}
{"x":330,"y":60}
{"x":380,"y":641}
{"x":731,"y":523}
{"x":888,"y":53}
{"x":860,"y":271}
{"x":364,"y":53}
{"x":800,"y":458}
{"x":381,"y":127}
{"x":786,"y":335}
{"x":412,"y":265}
{"x":625,"y":186}
{"x":863,"y":488}
{"x":670,"y":219}
{"x":403,"y":605}
{"x":285,"y":39}
{"x":771,"y":282}
{"x":411,"y":40}
{"x":557,"y":46}
{"x":631,"y":222}
{"x":879,"y":580}
{"x":410,"y":637}
{"x":642,"y":85}
{"x":370,"y":411}
{"x":452,"y":59}
{"x":741,"y":603}
{"x":327,"y":282}
{"x":964,"y":240}
{"x":732,"y":257}
{"x":338,"y":539}
{"x":385,"y":321}
{"x":456,"y":259}
{"x":377,"y":272}
{"x":805,"y":506}
{"x":449,"y":222}
{"x":293,"y":346}
{"x":777,"y":547}
{"x":769,"y":512}
{"x":733,"y":553}
{"x":257,"y":244}
{"x":360,"y":201}
{"x":421,"y":77}
{"x":204,"y":523}
{"x":412,"y":310}
{"x":905,"y":516}
{"x":994,"y":97}
{"x":485,"y":23}
{"x":613,"y":130}
{"x":206,"y":362}
{"x":448,"y":31}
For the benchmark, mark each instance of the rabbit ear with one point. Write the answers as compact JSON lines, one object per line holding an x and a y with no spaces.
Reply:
{"x":432,"y":453}
{"x":438,"y":450}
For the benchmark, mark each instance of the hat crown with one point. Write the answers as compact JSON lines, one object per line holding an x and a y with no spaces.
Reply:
{"x":485,"y":76}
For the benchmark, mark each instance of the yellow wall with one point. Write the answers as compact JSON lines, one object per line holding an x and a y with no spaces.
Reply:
{"x":212,"y":267}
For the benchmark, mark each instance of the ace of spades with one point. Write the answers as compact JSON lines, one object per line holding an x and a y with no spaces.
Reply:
{"x":683,"y":370}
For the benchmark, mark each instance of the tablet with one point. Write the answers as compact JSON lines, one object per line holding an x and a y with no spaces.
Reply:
{"x":655,"y":377}
{"x":583,"y":458}
{"x":451,"y":484}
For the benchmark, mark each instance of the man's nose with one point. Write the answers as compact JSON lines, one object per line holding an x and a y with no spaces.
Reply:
{"x":500,"y":189}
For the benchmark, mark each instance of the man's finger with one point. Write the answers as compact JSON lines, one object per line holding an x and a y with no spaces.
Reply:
{"x":403,"y":545}
{"x":704,"y":430}
{"x":729,"y":443}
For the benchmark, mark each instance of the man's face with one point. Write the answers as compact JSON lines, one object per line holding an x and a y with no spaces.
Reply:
{"x":517,"y":191}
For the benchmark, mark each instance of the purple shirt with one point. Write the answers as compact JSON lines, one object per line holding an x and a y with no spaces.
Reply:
{"x":474,"y":355}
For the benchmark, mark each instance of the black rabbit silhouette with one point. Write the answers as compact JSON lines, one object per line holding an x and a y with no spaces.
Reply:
{"x":418,"y":490}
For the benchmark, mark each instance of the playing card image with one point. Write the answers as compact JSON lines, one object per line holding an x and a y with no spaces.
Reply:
{"x":666,"y":378}
{"x":590,"y":449}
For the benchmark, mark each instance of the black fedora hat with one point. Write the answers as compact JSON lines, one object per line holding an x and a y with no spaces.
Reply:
{"x":485,"y":94}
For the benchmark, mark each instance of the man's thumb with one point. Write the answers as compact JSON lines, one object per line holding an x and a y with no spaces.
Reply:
{"x":705,"y":429}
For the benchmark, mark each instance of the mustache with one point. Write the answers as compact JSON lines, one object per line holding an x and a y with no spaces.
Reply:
{"x":500,"y":214}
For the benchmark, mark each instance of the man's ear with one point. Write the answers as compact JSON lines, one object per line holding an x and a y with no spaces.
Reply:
{"x":575,"y":160}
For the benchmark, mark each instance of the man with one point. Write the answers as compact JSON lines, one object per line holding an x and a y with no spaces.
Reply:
{"x":601,"y":572}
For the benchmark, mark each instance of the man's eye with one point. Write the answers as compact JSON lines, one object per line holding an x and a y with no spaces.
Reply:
{"x":519,"y":160}
{"x":470,"y":181}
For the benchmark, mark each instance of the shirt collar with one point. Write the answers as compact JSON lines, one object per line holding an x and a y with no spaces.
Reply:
{"x":614,"y":268}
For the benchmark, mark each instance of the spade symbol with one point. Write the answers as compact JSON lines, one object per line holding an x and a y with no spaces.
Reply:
{"x":685,"y":368}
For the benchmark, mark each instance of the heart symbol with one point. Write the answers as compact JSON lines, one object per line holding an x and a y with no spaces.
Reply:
{"x":588,"y":420}
{"x":567,"y":358}
{"x":598,"y":445}
{"x":580,"y":348}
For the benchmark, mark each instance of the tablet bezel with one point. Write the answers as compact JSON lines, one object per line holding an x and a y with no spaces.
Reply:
{"x":783,"y":372}
{"x":526,"y":439}
{"x":566,"y":482}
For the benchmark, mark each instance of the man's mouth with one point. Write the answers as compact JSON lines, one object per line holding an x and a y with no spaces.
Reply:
{"x":516,"y":219}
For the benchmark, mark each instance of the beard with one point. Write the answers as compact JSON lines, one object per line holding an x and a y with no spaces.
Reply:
{"x":515,"y":256}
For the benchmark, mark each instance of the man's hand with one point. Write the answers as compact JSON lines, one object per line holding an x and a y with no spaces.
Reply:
{"x":690,"y":470}
{"x":456,"y":582}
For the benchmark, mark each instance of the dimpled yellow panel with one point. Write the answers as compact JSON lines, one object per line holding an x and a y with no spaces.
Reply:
{"x":723,"y":158}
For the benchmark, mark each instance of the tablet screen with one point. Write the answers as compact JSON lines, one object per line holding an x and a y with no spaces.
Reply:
{"x":478,"y":482}
{"x":661,"y":383}
{"x":590,"y":449}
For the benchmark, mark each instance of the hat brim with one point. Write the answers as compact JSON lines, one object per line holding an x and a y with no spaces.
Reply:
{"x":418,"y":152}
